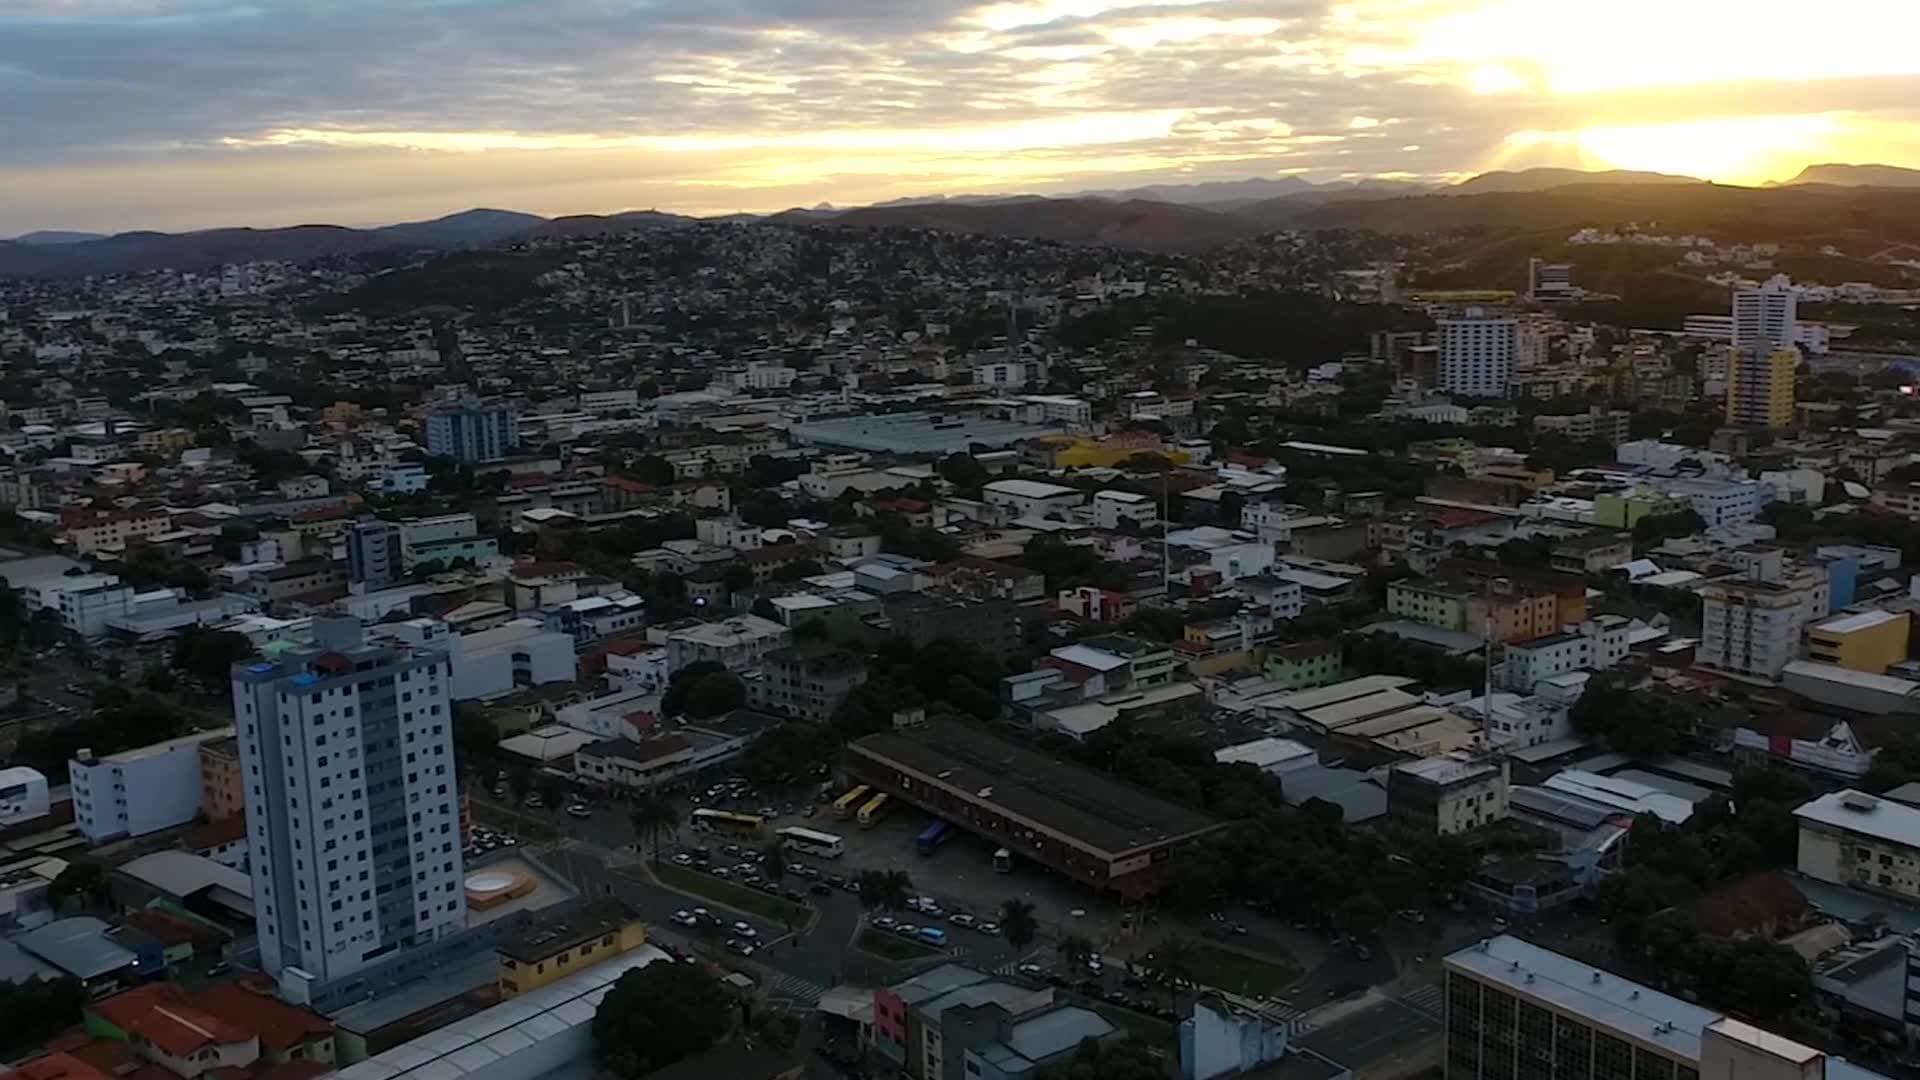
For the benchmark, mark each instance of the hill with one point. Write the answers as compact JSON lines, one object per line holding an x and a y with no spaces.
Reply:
{"x":1150,"y":226}
{"x":1858,"y":176}
{"x":1545,"y":179}
{"x":1849,"y":218}
{"x":604,"y":224}
{"x":56,"y":237}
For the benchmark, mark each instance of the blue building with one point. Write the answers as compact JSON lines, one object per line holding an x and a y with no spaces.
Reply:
{"x":473,"y":433}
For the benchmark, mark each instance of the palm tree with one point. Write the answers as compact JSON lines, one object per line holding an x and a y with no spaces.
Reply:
{"x":1018,"y":923}
{"x":651,"y":816}
{"x":773,"y":861}
{"x":1075,"y":950}
{"x":883,"y":888}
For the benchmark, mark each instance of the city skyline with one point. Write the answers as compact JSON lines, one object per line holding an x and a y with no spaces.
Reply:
{"x":182,"y":114}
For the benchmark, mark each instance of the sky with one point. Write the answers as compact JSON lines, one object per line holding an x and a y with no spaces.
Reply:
{"x":185,"y":114}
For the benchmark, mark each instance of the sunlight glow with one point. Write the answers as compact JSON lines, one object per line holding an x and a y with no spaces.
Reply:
{"x":1738,"y":150}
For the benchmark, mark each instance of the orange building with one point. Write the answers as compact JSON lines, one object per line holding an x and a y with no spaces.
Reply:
{"x":222,"y":790}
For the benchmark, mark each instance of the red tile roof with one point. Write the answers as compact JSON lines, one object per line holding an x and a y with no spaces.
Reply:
{"x":55,"y":1067}
{"x":279,"y":1025}
{"x":157,"y":1013}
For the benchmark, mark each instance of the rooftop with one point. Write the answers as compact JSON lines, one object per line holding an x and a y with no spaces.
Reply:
{"x":1858,"y":812}
{"x":1077,"y":805}
{"x":552,"y":934}
{"x":486,"y":1041}
{"x":1029,"y":489}
{"x":1865,"y":620}
{"x":915,"y":432}
{"x":1641,"y":1013}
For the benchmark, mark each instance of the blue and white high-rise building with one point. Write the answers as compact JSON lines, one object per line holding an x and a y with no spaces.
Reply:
{"x":473,"y":433}
{"x":353,"y":808}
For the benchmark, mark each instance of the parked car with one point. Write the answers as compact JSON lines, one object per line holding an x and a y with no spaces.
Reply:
{"x":739,"y":947}
{"x":991,"y":929}
{"x":932,"y":935}
{"x":685,"y":918}
{"x":820,"y":888}
{"x":683,"y":859}
{"x":962,"y":920}
{"x":906,"y":929}
{"x":579,"y":811}
{"x":1032,"y":970}
{"x":741,"y":929}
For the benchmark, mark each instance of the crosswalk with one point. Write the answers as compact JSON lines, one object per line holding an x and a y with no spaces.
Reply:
{"x":1427,"y":998}
{"x":784,"y":987}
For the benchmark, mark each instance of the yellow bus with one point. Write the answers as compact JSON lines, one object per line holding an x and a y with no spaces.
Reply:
{"x":745,"y":826}
{"x":844,"y":805}
{"x":870,"y":813}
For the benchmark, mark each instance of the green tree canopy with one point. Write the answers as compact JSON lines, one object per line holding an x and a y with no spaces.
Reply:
{"x":657,"y":1015}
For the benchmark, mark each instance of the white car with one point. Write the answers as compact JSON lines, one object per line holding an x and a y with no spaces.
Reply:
{"x":741,"y":929}
{"x":991,"y":929}
{"x":886,"y":922}
{"x":683,"y":859}
{"x":685,"y":918}
{"x":1032,"y":970}
{"x":963,"y":920}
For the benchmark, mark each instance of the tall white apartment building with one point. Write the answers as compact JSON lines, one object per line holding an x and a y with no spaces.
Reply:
{"x":1765,"y":319}
{"x":352,"y":808}
{"x":1477,"y":354}
{"x":1751,"y":628}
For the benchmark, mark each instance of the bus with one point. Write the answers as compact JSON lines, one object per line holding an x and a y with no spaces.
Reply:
{"x":1003,"y":861}
{"x":843,"y":806}
{"x":870,"y":813}
{"x":745,"y":826}
{"x":820,"y":845}
{"x":932,"y":837}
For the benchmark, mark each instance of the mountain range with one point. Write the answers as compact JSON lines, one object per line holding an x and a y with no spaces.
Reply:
{"x":1846,"y":199}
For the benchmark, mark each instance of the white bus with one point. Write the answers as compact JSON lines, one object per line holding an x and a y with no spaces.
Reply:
{"x":820,"y":845}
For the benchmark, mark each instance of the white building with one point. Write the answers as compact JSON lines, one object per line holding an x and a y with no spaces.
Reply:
{"x":1596,"y":645}
{"x":1765,"y":319}
{"x":644,"y":671}
{"x":1016,"y":499}
{"x":404,"y":478}
{"x":353,"y":812}
{"x":1861,"y":841}
{"x":23,"y":795}
{"x":737,"y":643}
{"x":606,"y":401}
{"x":495,"y":662}
{"x":140,"y":791}
{"x":1477,"y":354}
{"x":1750,"y":628}
{"x":759,"y":376}
{"x":1719,"y":502}
{"x":1110,"y":508}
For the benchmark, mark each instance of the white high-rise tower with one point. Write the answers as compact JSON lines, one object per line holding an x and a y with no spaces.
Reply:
{"x":1765,"y":319}
{"x":353,"y":817}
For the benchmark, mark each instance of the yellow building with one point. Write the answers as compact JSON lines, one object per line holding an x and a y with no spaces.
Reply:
{"x":1625,"y":511}
{"x":1437,"y":603}
{"x":1869,"y":641}
{"x":1760,"y":388}
{"x":555,"y":947}
{"x":1066,"y":452}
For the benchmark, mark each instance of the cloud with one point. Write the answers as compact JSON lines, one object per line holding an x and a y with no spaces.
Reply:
{"x":771,"y":95}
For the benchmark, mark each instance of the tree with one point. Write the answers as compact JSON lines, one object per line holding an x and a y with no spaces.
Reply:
{"x":652,"y":469}
{"x":521,"y":782}
{"x":1075,"y":950}
{"x":1018,"y":923}
{"x":717,"y":693}
{"x":657,"y":1015}
{"x":209,"y":655}
{"x":883,"y":889}
{"x":474,"y":735}
{"x":1654,"y":528}
{"x":1173,"y":966}
{"x":964,"y":472}
{"x":36,"y":1010}
{"x":1126,"y":1059}
{"x":159,"y":679}
{"x":674,"y":701}
{"x":652,"y":816}
{"x":773,"y":861}
{"x":553,"y":792}
{"x":84,"y":882}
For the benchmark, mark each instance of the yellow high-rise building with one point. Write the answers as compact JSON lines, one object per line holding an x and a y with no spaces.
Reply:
{"x":1760,"y":387}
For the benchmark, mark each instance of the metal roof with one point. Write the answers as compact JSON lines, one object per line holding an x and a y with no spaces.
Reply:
{"x":1857,"y":812}
{"x":78,"y":946}
{"x":1640,"y":1013}
{"x":490,"y":1038}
